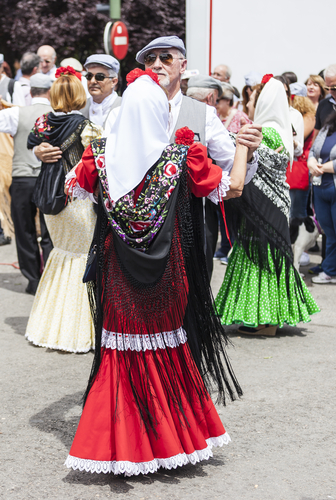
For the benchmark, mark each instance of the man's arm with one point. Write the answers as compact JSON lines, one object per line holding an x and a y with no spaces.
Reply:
{"x":9,"y":120}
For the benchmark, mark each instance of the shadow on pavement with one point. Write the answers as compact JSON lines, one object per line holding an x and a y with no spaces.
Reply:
{"x":14,"y":282}
{"x":17,"y":323}
{"x":286,"y":331}
{"x":57,"y":419}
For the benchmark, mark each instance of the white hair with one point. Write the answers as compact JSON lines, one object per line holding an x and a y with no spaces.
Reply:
{"x":199,"y":93}
{"x":330,"y":71}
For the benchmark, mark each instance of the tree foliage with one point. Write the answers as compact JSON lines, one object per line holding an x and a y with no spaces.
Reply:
{"x":74,"y":28}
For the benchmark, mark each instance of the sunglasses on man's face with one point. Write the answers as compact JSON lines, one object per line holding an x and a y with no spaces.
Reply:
{"x":99,"y":77}
{"x":165,"y":57}
{"x":333,"y":89}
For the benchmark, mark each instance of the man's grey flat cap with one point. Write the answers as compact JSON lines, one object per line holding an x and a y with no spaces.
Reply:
{"x":1,"y":58}
{"x":163,"y":42}
{"x":40,"y":81}
{"x":104,"y":60}
{"x":206,"y":82}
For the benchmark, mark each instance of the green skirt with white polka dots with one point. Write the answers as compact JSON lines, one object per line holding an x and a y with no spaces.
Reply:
{"x":253,"y":296}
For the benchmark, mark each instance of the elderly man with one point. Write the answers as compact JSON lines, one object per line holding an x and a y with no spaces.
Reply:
{"x":18,"y":122}
{"x":102,"y":78}
{"x":10,"y":90}
{"x":205,"y":89}
{"x":29,"y":65}
{"x":166,"y":57}
{"x":327,"y":105}
{"x":222,"y":72}
{"x":48,"y":60}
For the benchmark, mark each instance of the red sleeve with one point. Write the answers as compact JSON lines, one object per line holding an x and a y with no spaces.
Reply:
{"x":86,"y":172}
{"x":204,"y":175}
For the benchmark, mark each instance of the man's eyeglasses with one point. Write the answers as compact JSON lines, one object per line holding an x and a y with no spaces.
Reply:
{"x":99,"y":77}
{"x":333,"y":89}
{"x":165,"y":57}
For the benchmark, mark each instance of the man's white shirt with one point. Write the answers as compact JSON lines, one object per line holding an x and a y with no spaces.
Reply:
{"x":18,"y":95}
{"x":98,"y":112}
{"x":9,"y":118}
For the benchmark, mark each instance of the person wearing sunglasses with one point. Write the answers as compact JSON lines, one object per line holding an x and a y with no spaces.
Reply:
{"x":327,"y":105}
{"x":48,"y":60}
{"x":102,"y":77}
{"x":166,"y":56}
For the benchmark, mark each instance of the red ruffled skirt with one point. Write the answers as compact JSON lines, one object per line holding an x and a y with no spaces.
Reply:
{"x":112,"y":435}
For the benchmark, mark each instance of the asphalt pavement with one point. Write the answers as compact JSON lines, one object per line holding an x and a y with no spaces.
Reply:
{"x":282,"y":430}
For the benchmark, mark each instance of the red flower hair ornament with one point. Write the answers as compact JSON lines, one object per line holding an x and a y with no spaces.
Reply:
{"x":184,"y":136}
{"x":137,"y":72}
{"x":62,"y":71}
{"x":266,"y":78}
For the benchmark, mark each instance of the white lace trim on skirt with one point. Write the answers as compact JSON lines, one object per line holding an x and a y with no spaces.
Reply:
{"x":134,"y":469}
{"x":126,"y":341}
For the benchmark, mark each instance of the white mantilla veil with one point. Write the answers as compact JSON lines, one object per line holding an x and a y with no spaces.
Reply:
{"x":272,"y":110}
{"x":138,"y":136}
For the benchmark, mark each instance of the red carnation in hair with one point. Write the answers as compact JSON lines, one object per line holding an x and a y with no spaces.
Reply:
{"x":266,"y":78}
{"x":137,"y":72}
{"x":62,"y":71}
{"x":184,"y":136}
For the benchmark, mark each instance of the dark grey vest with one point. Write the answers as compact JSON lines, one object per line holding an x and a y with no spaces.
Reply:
{"x":191,"y":115}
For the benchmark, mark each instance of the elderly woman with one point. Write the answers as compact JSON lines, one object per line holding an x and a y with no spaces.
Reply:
{"x":232,"y":118}
{"x":261,"y":287}
{"x":322,"y":165}
{"x":157,"y":339}
{"x":60,"y":317}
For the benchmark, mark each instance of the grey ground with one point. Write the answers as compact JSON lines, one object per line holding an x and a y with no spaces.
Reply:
{"x":282,"y":430}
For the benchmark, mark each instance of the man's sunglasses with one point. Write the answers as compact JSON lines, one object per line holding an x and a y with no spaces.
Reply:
{"x":331,"y":88}
{"x":99,"y":77}
{"x":165,"y":57}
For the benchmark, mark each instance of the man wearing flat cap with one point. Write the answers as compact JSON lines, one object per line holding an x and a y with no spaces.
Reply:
{"x":166,"y":57}
{"x":204,"y":89}
{"x":102,"y":78}
{"x":18,"y":122}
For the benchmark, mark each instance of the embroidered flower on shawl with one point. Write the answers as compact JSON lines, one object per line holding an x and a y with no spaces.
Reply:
{"x":63,"y":71}
{"x":100,"y":161}
{"x":170,"y":169}
{"x":266,"y":78}
{"x":184,"y":136}
{"x":137,"y":72}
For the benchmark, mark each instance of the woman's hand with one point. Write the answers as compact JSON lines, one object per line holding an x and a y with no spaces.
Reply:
{"x":314,"y":168}
{"x":250,"y":135}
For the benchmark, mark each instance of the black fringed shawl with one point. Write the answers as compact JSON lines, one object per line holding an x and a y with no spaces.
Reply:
{"x":144,"y":285}
{"x":259,"y":217}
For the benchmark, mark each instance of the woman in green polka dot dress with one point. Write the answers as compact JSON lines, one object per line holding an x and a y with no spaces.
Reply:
{"x":261,"y":288}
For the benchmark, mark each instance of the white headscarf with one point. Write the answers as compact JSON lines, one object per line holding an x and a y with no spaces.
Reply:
{"x":272,"y":110}
{"x":138,"y":136}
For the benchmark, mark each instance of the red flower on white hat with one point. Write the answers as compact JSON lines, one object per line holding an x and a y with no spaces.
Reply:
{"x":266,"y":78}
{"x":62,"y":71}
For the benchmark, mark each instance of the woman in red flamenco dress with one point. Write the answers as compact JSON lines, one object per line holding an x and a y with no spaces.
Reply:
{"x":160,"y":347}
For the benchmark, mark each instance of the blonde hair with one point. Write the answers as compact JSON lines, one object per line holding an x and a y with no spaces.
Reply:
{"x":67,"y":94}
{"x":321,"y":83}
{"x":303,"y":104}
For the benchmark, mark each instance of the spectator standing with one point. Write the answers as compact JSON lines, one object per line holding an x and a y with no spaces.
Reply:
{"x":29,"y":65}
{"x":324,"y":193}
{"x":251,"y":79}
{"x":232,"y":118}
{"x":327,"y":105}
{"x":18,"y":122}
{"x":315,"y":89}
{"x":48,"y":60}
{"x":10,"y":90}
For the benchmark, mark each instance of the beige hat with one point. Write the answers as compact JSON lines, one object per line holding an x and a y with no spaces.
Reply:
{"x":74,"y":63}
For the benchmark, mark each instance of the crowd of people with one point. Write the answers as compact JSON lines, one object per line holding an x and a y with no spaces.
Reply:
{"x":116,"y":205}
